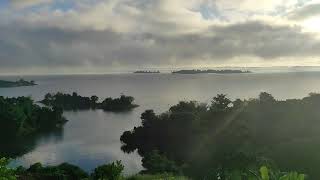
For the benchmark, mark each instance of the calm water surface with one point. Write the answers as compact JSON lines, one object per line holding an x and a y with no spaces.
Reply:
{"x":91,"y":138}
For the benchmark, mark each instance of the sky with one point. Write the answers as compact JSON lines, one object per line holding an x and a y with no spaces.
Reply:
{"x":100,"y":36}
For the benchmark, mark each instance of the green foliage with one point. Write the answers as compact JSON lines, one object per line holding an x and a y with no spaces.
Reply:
{"x":69,"y":101}
{"x":20,"y":117}
{"x":220,"y":103}
{"x":156,"y":163}
{"x":264,"y":173}
{"x":63,"y":171}
{"x":5,"y":172}
{"x":164,"y":176}
{"x":75,"y":102}
{"x":293,"y":176}
{"x":114,"y":170}
{"x":203,"y":139}
{"x":123,"y":103}
{"x":111,"y":171}
{"x":21,"y":120}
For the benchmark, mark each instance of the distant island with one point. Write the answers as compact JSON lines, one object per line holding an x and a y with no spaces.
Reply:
{"x":75,"y":102}
{"x":197,"y":71}
{"x":146,"y":72}
{"x":19,"y":83}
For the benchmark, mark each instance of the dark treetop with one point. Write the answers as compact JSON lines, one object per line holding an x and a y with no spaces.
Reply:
{"x":18,"y":83}
{"x":197,"y":71}
{"x":75,"y":102}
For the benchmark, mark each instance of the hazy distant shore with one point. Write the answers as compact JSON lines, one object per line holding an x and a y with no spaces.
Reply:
{"x":19,"y":83}
{"x":210,"y":71}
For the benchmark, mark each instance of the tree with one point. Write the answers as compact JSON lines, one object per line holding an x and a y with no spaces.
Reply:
{"x":237,"y":103}
{"x":148,"y":117}
{"x":5,"y":172}
{"x":266,"y":98}
{"x":220,"y":103}
{"x":94,"y":99}
{"x":111,"y":171}
{"x":74,"y":94}
{"x":156,"y":163}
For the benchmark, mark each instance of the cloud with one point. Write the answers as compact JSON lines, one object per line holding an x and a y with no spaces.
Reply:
{"x":28,"y":3}
{"x":57,"y":48}
{"x":305,"y":12}
{"x":128,"y":34}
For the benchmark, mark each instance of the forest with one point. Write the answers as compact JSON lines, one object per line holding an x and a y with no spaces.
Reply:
{"x":259,"y":139}
{"x":114,"y":171}
{"x":76,"y":102}
{"x":198,"y":139}
{"x":21,"y":119}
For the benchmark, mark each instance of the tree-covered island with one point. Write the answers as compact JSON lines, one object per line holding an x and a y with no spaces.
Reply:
{"x":146,"y":72}
{"x":210,"y":71}
{"x":20,"y":82}
{"x":76,"y":102}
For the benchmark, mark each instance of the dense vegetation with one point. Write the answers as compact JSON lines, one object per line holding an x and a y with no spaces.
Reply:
{"x":21,"y":118}
{"x":227,"y":140}
{"x":76,"y":102}
{"x":65,"y":171}
{"x":198,"y":139}
{"x":113,"y":171}
{"x":197,"y":71}
{"x":18,"y":83}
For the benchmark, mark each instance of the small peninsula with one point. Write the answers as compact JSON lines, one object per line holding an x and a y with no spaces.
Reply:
{"x":210,"y":71}
{"x":19,"y":83}
{"x":76,"y":102}
{"x":21,"y":116}
{"x":146,"y":72}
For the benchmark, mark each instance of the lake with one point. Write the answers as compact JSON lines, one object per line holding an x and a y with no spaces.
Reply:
{"x":91,"y":138}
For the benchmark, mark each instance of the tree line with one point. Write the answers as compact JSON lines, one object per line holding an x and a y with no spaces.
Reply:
{"x":76,"y":102}
{"x":114,"y":171}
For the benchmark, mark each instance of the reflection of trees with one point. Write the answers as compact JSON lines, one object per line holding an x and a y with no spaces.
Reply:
{"x":14,"y":148}
{"x":22,"y":122}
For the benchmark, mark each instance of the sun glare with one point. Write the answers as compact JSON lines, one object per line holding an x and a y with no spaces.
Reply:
{"x":312,"y":24}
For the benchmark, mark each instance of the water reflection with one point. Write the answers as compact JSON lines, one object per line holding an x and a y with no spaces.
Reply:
{"x":91,"y":138}
{"x":17,"y":147}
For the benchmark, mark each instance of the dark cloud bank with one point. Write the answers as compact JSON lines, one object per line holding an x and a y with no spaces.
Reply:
{"x":27,"y":47}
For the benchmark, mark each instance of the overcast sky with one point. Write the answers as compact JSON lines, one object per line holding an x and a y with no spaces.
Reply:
{"x":96,"y":36}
